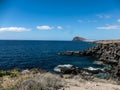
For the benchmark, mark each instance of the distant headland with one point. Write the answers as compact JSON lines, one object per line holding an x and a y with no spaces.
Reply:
{"x":77,"y":38}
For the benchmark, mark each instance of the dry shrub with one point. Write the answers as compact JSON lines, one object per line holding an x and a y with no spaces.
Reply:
{"x":51,"y":81}
{"x":46,"y":81}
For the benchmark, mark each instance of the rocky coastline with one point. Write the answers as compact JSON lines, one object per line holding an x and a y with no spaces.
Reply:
{"x":108,"y":53}
{"x":70,"y":77}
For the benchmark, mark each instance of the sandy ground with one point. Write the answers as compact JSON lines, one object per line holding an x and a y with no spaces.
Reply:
{"x":80,"y":84}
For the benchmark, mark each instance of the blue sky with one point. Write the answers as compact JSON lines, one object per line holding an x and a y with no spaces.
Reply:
{"x":59,"y":19}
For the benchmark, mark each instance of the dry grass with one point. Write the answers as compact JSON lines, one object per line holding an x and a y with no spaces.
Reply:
{"x":8,"y":82}
{"x":31,"y":81}
{"x":48,"y":81}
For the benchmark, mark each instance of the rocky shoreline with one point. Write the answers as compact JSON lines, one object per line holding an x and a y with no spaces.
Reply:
{"x":107,"y":54}
{"x":69,"y":77}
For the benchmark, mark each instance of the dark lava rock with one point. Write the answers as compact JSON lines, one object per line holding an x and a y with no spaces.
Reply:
{"x":107,"y":53}
{"x":93,"y":70}
{"x":67,"y":69}
{"x":70,"y":69}
{"x":68,"y":53}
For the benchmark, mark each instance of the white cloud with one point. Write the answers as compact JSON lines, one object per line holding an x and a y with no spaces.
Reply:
{"x":59,"y":27}
{"x":44,"y":27}
{"x":109,"y":27}
{"x":14,"y":29}
{"x":103,"y":16}
{"x":118,"y":20}
{"x":87,"y":21}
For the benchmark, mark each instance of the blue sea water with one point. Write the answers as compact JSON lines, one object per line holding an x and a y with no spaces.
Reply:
{"x":41,"y":54}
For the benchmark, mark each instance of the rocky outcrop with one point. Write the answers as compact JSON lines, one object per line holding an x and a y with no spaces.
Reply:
{"x":70,"y":69}
{"x":67,"y":69}
{"x":107,"y":53}
{"x":68,"y":53}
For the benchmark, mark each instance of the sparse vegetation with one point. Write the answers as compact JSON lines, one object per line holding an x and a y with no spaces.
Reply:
{"x":13,"y":73}
{"x":29,"y":81}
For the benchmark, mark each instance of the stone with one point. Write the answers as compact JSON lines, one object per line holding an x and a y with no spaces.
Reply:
{"x":93,"y":70}
{"x":67,"y":69}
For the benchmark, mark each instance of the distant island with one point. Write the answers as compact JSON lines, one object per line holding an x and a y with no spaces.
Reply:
{"x":77,"y":38}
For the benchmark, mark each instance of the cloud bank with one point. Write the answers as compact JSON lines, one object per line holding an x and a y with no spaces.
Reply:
{"x":103,"y":16}
{"x":46,"y":27}
{"x":110,"y":27}
{"x":14,"y":29}
{"x":87,"y":21}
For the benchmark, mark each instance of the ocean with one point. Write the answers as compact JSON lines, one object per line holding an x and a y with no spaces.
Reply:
{"x":27,"y":54}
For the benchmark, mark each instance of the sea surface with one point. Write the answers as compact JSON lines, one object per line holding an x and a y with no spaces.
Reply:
{"x":29,"y":54}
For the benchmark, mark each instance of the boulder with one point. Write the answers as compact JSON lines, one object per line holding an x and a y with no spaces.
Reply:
{"x":94,"y":70}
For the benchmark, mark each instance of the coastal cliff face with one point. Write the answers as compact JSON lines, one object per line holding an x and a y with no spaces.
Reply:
{"x":107,"y":54}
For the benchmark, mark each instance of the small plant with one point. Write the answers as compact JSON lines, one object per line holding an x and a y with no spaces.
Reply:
{"x":9,"y":73}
